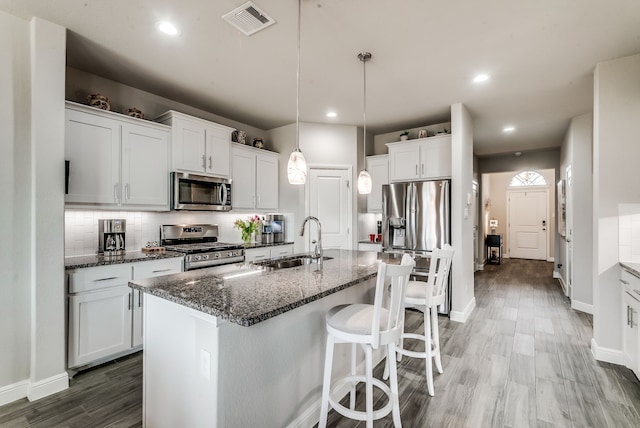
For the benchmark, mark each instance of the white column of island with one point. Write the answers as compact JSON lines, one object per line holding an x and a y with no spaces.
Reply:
{"x":238,"y":346}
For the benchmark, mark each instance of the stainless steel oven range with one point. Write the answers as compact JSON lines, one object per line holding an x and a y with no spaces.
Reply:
{"x":199,"y":243}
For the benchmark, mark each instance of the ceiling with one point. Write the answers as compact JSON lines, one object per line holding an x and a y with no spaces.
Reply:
{"x":540,"y":55}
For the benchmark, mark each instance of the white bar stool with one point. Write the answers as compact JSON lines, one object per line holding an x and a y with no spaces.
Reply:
{"x":371,"y":326}
{"x":426,"y":297}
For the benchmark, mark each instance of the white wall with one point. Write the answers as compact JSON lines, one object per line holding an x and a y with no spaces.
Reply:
{"x":81,"y":227}
{"x":462,"y":293}
{"x":32,"y":79}
{"x":577,"y":153}
{"x":14,"y":227}
{"x":321,"y":145}
{"x":79,"y":84}
{"x":615,"y":162}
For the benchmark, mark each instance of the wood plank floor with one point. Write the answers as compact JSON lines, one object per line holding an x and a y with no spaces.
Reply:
{"x":522,"y":360}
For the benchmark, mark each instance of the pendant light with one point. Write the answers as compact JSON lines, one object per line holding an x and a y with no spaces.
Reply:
{"x":297,"y":165}
{"x":364,"y":179}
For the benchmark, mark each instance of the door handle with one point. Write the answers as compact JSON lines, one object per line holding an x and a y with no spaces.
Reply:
{"x":628,"y":307}
{"x":115,"y":193}
{"x":204,"y":162}
{"x":210,"y":163}
{"x":139,"y":298}
{"x":126,"y":192}
{"x":422,"y":169}
{"x":623,"y":281}
{"x":130,"y":299}
{"x":416,"y":169}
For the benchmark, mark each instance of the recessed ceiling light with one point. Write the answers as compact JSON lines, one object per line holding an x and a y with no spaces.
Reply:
{"x":168,"y":28}
{"x":508,"y":129}
{"x":332,"y":114}
{"x":518,"y":153}
{"x":481,"y":78}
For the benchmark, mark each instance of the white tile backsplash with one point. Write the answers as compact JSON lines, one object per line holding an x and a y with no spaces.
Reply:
{"x":629,"y":232}
{"x":81,"y":227}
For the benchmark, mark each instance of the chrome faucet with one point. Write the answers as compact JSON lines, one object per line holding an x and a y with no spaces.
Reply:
{"x":317,"y":252}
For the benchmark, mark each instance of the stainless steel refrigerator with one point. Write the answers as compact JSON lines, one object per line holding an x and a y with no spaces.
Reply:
{"x":416,"y":218}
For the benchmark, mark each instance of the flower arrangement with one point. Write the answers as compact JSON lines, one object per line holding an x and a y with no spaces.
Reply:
{"x":404,"y":135}
{"x":248,"y":227}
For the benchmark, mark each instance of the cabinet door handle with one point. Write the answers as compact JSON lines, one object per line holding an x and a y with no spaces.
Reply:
{"x":139,"y":298}
{"x":204,"y":164}
{"x":631,"y":316}
{"x":126,"y":192}
{"x":161,"y":270}
{"x":210,"y":163}
{"x":416,"y":169}
{"x":259,"y":257}
{"x":115,"y":193}
{"x":422,"y":169}
{"x":130,"y":299}
{"x":628,"y":319}
{"x":624,"y":282}
{"x":105,"y":279}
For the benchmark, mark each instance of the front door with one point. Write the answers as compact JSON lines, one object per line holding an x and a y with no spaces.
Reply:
{"x":330,"y":202}
{"x":528,"y":224}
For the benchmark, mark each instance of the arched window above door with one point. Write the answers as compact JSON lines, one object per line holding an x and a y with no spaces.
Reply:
{"x":527,"y":178}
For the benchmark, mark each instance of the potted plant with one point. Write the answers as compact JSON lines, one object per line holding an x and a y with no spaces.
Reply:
{"x":404,"y":135}
{"x":248,"y":228}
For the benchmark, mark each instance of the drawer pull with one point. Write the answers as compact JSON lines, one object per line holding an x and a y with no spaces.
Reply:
{"x":624,"y":282}
{"x":130,"y":299}
{"x":105,"y":279}
{"x":139,"y":298}
{"x":161,"y":270}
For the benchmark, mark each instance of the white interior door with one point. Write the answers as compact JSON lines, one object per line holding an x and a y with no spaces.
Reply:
{"x":528,"y":224}
{"x":330,"y":202}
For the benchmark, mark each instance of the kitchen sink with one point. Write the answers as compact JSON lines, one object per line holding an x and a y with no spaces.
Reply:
{"x":290,"y":262}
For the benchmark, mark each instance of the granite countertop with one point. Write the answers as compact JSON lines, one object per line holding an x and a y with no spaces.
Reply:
{"x":93,"y":260}
{"x":632,"y":268}
{"x":246,"y":293}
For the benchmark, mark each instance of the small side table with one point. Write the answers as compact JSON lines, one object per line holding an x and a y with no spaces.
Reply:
{"x":491,"y":242}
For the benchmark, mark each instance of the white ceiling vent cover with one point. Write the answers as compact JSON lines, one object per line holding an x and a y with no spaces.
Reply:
{"x":248,"y":18}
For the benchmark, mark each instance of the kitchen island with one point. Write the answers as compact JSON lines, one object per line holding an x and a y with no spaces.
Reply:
{"x":242,"y":346}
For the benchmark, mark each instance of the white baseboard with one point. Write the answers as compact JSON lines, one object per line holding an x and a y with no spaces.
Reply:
{"x":556,"y":274}
{"x":45,"y":387}
{"x":607,"y":355}
{"x":480,"y":266}
{"x":551,"y":259}
{"x":464,"y":315}
{"x":563,"y":284}
{"x":582,"y":307}
{"x":311,"y":415}
{"x":13,"y":392}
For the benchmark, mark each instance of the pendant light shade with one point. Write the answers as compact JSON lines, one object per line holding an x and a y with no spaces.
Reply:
{"x":364,"y":178}
{"x":297,"y":165}
{"x":364,"y":182}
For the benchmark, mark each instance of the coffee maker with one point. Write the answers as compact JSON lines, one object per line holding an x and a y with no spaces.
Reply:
{"x":273,"y":229}
{"x":111,"y":240}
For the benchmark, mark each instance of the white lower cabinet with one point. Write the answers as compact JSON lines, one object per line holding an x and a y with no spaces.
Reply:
{"x":631,"y":321}
{"x":105,"y":315}
{"x":100,"y":324}
{"x":266,"y":253}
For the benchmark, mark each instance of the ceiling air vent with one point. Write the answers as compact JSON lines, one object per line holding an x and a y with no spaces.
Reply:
{"x":248,"y":18}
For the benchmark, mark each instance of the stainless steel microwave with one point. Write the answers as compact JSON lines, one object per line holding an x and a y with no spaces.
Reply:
{"x":200,"y":193}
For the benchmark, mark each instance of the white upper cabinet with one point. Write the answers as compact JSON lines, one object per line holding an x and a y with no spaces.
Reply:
{"x":423,"y":159}
{"x":115,"y":161}
{"x":198,"y":145}
{"x":145,"y":165}
{"x":378,"y":167}
{"x":254,"y":175}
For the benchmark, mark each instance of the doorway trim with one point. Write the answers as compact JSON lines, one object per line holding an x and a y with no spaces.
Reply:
{"x":543,"y":188}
